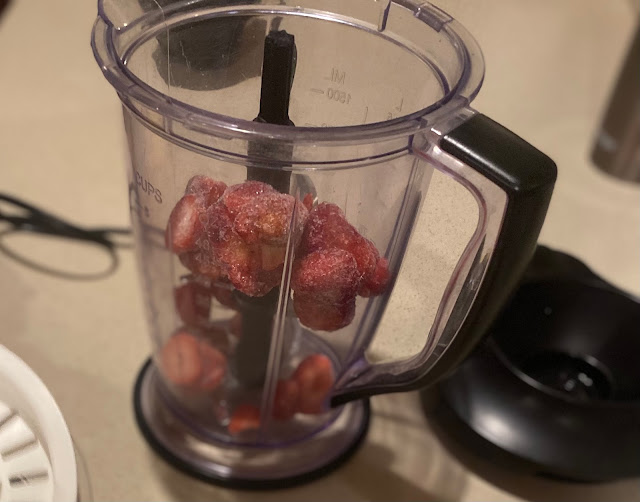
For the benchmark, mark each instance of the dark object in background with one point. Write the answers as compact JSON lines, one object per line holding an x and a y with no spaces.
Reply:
{"x":3,"y":5}
{"x":555,"y":390}
{"x":617,"y":146}
{"x":192,"y":50}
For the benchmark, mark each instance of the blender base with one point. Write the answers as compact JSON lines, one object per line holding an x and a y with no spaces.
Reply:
{"x":249,"y":468}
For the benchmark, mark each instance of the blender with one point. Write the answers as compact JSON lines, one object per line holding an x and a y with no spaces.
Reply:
{"x":278,"y":170}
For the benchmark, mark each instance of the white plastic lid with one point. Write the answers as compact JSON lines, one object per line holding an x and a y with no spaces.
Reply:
{"x":37,"y":460}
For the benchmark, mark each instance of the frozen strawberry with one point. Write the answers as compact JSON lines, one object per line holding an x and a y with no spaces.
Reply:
{"x":245,"y":417}
{"x":237,"y":196}
{"x":366,"y":255}
{"x":285,"y":401}
{"x":377,"y":282}
{"x":192,"y":363}
{"x":218,"y":226}
{"x":214,"y":367}
{"x":272,"y":257}
{"x":325,"y":227}
{"x":272,"y":278}
{"x":325,"y":284}
{"x":234,"y":255}
{"x":268,"y":217}
{"x":205,"y":188}
{"x":193,"y":303}
{"x":202,"y":263}
{"x":253,"y":282}
{"x":323,"y":316}
{"x":180,"y":360}
{"x":244,"y":269}
{"x":328,"y":228}
{"x":184,"y":227}
{"x":308,"y":201}
{"x":238,"y":261}
{"x":314,"y":376}
{"x":330,"y":275}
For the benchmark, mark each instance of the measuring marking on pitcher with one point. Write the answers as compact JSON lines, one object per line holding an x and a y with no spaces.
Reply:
{"x":135,"y":205}
{"x":334,"y":92}
{"x":146,"y":186}
{"x":337,"y":75}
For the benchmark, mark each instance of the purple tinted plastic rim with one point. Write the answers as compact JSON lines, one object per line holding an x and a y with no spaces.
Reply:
{"x":465,"y":89}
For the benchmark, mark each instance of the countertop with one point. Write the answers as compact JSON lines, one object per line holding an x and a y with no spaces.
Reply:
{"x":550,"y":67}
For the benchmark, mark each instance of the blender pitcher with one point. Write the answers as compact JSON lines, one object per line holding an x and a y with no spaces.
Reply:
{"x":281,"y":156}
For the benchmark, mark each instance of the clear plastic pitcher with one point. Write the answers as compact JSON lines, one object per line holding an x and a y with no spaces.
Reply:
{"x":281,"y":157}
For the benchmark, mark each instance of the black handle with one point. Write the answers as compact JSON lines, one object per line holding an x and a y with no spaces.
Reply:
{"x":527,"y":176}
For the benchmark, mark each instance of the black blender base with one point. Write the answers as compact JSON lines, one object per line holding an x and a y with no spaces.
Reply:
{"x":221,"y":464}
{"x":554,"y":391}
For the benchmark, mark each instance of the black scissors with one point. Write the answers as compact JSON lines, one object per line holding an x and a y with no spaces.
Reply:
{"x":31,"y":219}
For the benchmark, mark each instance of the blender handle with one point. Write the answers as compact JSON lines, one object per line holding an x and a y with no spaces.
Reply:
{"x":527,"y":177}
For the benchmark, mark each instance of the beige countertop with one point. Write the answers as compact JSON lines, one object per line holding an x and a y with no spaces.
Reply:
{"x":550,"y":66}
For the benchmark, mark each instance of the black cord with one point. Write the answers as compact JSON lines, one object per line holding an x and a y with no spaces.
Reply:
{"x":38,"y":221}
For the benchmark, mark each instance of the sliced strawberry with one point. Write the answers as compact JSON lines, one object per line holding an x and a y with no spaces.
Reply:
{"x":245,"y":417}
{"x":314,"y":376}
{"x":192,"y":363}
{"x":184,"y":227}
{"x":193,"y":303}
{"x":180,"y":360}
{"x":285,"y":401}
{"x":214,"y":367}
{"x":205,"y":188}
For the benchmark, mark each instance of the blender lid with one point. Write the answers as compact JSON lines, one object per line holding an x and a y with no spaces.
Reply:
{"x":555,"y":390}
{"x":37,"y":459}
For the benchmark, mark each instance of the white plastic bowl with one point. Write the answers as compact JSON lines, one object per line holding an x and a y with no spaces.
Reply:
{"x":37,"y":413}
